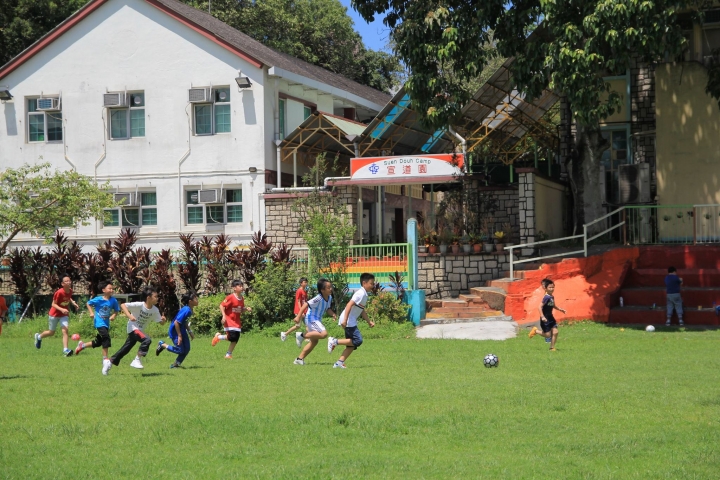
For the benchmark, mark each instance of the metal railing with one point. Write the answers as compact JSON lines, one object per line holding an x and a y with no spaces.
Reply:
{"x":644,"y":225}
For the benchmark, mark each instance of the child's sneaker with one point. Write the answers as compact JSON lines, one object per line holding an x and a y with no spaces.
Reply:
{"x":107,"y":365}
{"x":215,"y":339}
{"x":174,"y":365}
{"x":339,"y":365}
{"x":552,"y":349}
{"x":160,"y":347}
{"x":228,"y":356}
{"x":681,"y":323}
{"x":38,"y":341}
{"x":299,"y":339}
{"x":283,"y":336}
{"x":80,"y":347}
{"x":667,"y":324}
{"x":67,"y":352}
{"x":137,"y":363}
{"x":299,"y":361}
{"x":332,"y":343}
{"x":533,"y":332}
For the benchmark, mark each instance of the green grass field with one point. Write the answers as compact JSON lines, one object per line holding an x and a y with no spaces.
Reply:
{"x":607,"y":404}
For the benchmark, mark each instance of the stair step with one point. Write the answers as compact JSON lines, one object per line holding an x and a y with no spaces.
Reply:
{"x":472,"y":298}
{"x":643,"y":316}
{"x":494,"y":318}
{"x":484,"y":314}
{"x":454,"y":303}
{"x":653,"y":277}
{"x":692,"y":296}
{"x":468,"y":309}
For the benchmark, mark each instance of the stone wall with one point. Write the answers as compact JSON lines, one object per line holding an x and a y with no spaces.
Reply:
{"x":642,"y":116}
{"x":526,"y":203}
{"x":443,"y":276}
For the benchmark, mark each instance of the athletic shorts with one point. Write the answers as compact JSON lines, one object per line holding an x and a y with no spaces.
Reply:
{"x":353,"y":333}
{"x":315,"y":326}
{"x":548,"y":326}
{"x":52,"y":324}
{"x":233,"y":335}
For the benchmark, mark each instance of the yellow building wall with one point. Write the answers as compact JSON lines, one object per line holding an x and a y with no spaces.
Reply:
{"x":549,"y":207}
{"x":688,"y":148}
{"x":622,"y":114}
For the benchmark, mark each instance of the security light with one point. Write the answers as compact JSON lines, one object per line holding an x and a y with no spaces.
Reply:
{"x":243,"y":82}
{"x":5,"y":95}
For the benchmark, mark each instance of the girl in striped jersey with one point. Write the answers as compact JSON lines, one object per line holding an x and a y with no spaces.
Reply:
{"x":315,"y":308}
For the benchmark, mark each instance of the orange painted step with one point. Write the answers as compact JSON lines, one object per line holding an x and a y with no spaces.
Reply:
{"x":460,"y":309}
{"x":489,"y":313}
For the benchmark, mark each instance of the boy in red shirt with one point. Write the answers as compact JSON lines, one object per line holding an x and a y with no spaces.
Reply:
{"x":3,"y":312}
{"x":301,"y":299}
{"x":59,"y":314}
{"x":232,"y":308}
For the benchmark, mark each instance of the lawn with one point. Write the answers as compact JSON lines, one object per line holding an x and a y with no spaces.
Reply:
{"x":607,"y":404}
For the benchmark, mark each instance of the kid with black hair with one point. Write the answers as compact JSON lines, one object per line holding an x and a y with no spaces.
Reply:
{"x":139,"y":314}
{"x":315,"y":308}
{"x":354,"y":309}
{"x":179,"y":331}
{"x":103,"y":309}
{"x":547,"y":320}
{"x":232,"y":308}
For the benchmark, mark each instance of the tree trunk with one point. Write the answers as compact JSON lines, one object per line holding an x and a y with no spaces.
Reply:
{"x":584,"y":173}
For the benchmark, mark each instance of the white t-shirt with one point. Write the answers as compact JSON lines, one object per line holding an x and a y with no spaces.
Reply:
{"x":142,"y":315}
{"x":360,"y":297}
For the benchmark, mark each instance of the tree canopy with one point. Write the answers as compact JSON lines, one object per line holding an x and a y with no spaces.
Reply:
{"x":37,"y":200}
{"x":317,"y":31}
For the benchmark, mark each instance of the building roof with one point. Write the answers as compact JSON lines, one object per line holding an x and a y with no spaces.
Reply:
{"x":218,"y":31}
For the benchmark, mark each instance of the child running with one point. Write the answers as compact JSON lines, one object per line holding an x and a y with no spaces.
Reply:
{"x":348,"y":320}
{"x":179,"y":331}
{"x":547,"y":320}
{"x":103,"y":309}
{"x":232,"y":308}
{"x":300,"y":301}
{"x":138,"y":314}
{"x":316,"y":308}
{"x":59,"y":314}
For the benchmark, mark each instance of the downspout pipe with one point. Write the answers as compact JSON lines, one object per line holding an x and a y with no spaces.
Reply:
{"x":463,"y":143}
{"x":278,"y":140}
{"x":102,"y":156}
{"x":180,"y":162}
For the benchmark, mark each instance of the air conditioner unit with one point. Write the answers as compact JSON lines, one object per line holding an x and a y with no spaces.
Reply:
{"x":634,"y":183}
{"x":199,"y":95}
{"x":45,"y":104}
{"x":209,"y":196}
{"x":114,"y":100}
{"x":126,"y":199}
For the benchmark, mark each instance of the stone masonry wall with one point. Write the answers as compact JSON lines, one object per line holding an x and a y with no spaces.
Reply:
{"x":526,"y":202}
{"x":443,"y":276}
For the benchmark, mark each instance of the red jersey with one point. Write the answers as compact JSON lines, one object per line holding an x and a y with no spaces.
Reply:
{"x":63,"y":299}
{"x":300,"y":299}
{"x":233,"y":307}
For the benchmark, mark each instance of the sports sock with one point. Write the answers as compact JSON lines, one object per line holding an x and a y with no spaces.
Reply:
{"x":222,"y":337}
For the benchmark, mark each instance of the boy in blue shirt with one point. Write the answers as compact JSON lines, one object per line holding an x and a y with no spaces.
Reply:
{"x":674,"y":300}
{"x":179,"y":331}
{"x":103,"y":309}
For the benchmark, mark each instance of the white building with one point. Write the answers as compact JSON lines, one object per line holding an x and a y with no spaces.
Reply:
{"x":143,"y":94}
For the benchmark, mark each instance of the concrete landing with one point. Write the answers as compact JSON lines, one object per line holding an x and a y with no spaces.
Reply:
{"x":489,"y":330}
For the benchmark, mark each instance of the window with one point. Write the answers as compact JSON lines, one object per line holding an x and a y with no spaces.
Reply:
{"x":307,"y":111}
{"x":217,"y":213}
{"x":281,"y":107}
{"x":612,"y":158}
{"x":212,"y":118}
{"x":43,"y":125}
{"x":144,"y":214}
{"x":129,"y":122}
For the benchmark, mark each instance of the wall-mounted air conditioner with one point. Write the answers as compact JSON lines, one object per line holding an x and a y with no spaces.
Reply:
{"x":209,"y":196}
{"x":114,"y":100}
{"x":199,"y":95}
{"x":48,"y":104}
{"x":125,"y":199}
{"x":634,"y":183}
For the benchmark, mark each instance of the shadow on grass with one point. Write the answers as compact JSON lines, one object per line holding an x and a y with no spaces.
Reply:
{"x":155,"y":374}
{"x":12,"y":377}
{"x":193,"y":367}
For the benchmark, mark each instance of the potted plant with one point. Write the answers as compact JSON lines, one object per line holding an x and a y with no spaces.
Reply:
{"x":476,"y":242}
{"x":455,"y":247}
{"x":508,"y":230}
{"x":431,"y":240}
{"x":499,"y":240}
{"x":445,"y":238}
{"x":465,"y":242}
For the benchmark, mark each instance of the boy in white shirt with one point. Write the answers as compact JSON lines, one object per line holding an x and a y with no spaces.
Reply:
{"x":348,"y":319}
{"x":139,"y":314}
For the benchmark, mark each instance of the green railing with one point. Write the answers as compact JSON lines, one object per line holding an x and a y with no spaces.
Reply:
{"x":672,"y":224}
{"x":380,"y":260}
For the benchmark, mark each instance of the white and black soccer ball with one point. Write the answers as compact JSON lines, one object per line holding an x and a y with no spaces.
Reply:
{"x":491,"y":360}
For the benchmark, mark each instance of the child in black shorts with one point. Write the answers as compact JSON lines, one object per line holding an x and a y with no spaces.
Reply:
{"x":547,"y":320}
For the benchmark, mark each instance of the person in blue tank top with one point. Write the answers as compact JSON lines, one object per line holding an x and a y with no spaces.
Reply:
{"x":179,"y":331}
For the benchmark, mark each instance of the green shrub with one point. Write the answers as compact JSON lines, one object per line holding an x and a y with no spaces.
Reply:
{"x":387,"y":308}
{"x":272,"y":297}
{"x":206,"y":317}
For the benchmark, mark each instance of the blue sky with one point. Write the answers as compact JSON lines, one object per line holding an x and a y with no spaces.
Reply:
{"x":375,"y":35}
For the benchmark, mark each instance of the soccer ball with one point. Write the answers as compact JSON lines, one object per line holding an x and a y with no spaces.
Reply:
{"x":76,"y":336}
{"x":491,"y":360}
{"x":649,"y":328}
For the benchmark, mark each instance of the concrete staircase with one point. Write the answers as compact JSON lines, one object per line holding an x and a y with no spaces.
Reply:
{"x":480,"y":305}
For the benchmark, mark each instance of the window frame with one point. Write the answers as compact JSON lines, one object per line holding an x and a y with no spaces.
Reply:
{"x":121,"y":212}
{"x":44,"y":115}
{"x":213,"y":113}
{"x":612,"y":184}
{"x":128,"y":117}
{"x":206,"y":215}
